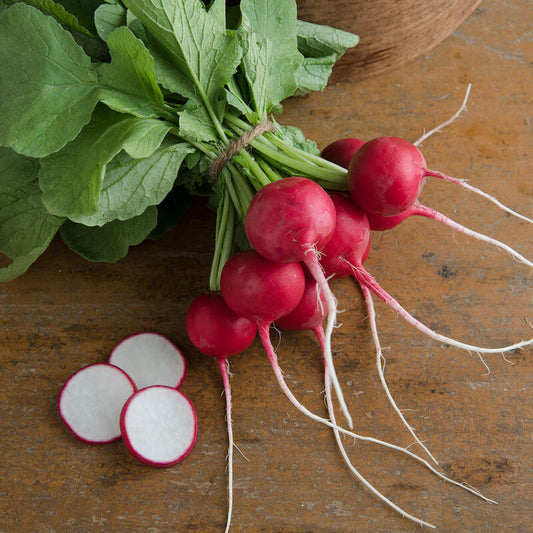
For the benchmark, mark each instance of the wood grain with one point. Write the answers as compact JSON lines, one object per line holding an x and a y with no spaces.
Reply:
{"x":66,"y":313}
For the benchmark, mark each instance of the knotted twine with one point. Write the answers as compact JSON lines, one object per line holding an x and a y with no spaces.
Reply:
{"x":236,"y":146}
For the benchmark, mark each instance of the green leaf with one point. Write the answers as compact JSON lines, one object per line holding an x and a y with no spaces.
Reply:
{"x":203,"y":53}
{"x":107,"y":18}
{"x":48,"y":86}
{"x":321,"y":46}
{"x":318,"y":40}
{"x":131,"y":185}
{"x":16,"y":170}
{"x":129,"y":83}
{"x":60,"y":14}
{"x":71,"y":179}
{"x":26,"y":229}
{"x":110,"y":242}
{"x":271,"y":58}
{"x":295,"y":137}
{"x":83,"y":10}
{"x":195,"y":123}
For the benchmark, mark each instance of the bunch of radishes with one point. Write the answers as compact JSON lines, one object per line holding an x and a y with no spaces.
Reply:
{"x":301,"y":236}
{"x":134,"y":395}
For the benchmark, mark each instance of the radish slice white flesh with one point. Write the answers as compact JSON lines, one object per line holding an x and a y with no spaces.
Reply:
{"x":159,"y":425}
{"x":149,"y":359}
{"x":91,"y":401}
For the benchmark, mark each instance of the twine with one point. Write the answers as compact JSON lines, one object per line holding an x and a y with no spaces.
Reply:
{"x":244,"y":140}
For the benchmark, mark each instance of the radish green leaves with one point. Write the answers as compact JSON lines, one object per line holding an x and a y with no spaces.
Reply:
{"x":112,"y":114}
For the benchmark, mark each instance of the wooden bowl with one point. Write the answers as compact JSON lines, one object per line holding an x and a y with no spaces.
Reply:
{"x":391,"y":32}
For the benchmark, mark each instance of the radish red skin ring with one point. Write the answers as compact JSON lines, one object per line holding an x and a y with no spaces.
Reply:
{"x":67,"y":414}
{"x":138,"y":454}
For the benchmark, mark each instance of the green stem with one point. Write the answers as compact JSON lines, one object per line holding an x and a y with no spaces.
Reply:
{"x":223,"y":239}
{"x":289,"y":159}
{"x":246,"y":160}
{"x":225,"y":174}
{"x":242,"y":188}
{"x":270,"y":171}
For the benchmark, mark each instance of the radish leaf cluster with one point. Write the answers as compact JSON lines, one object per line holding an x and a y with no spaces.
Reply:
{"x":125,"y":105}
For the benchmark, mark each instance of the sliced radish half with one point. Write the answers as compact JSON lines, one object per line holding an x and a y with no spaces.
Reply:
{"x":149,"y":359}
{"x":159,"y":425}
{"x":91,"y":400}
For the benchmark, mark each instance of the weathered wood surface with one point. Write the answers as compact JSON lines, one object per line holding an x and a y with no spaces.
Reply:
{"x":66,"y":313}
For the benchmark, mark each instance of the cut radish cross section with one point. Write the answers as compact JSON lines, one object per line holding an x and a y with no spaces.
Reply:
{"x":149,"y":359}
{"x":91,"y":401}
{"x":159,"y":425}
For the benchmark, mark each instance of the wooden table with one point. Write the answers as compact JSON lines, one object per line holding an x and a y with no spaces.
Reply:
{"x":66,"y":313}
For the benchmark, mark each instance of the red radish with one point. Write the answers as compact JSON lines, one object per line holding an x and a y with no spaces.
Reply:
{"x":159,"y":426}
{"x":263,"y":291}
{"x":91,"y":400}
{"x":217,"y":331}
{"x":250,"y":285}
{"x":259,"y":289}
{"x":387,"y":174}
{"x":310,"y":312}
{"x":291,"y":220}
{"x":350,"y":245}
{"x":344,"y":256}
{"x":341,"y":257}
{"x":342,"y":151}
{"x":149,"y":359}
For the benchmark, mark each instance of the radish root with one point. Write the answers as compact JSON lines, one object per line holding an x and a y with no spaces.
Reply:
{"x":422,"y":210}
{"x":364,"y":278}
{"x":447,"y":122}
{"x":379,"y":358}
{"x":468,"y":187}
{"x":316,"y":271}
{"x":265,"y":338}
{"x":224,"y":370}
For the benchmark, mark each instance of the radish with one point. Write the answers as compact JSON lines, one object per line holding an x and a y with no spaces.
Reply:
{"x":262,"y":291}
{"x":342,"y":151}
{"x":347,"y":250}
{"x":291,"y":220}
{"x":217,"y":331}
{"x":345,"y":254}
{"x":310,"y":312}
{"x":149,"y":359}
{"x":159,"y":425}
{"x":91,"y":400}
{"x":387,"y":174}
